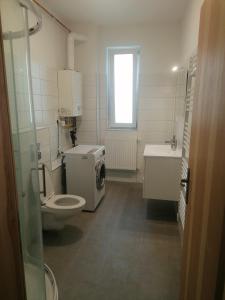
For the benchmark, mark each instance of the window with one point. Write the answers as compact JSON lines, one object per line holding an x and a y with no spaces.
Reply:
{"x":122,"y":71}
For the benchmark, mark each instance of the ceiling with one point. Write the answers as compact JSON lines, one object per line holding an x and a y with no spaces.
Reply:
{"x":113,"y":12}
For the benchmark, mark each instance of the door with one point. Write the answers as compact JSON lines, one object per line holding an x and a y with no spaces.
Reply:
{"x":204,"y":237}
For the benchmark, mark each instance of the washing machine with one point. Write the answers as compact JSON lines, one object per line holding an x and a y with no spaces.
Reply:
{"x":85,"y":173}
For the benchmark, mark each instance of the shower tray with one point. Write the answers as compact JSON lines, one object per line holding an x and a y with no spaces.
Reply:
{"x":31,"y":273}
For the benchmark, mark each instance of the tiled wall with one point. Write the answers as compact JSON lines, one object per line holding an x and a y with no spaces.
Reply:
{"x":45,"y":97}
{"x":159,"y":87}
{"x":180,"y":106}
{"x":43,"y":138}
{"x":161,"y":100}
{"x":88,"y":123}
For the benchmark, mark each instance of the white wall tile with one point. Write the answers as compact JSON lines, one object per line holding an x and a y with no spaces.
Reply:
{"x":26,"y":139}
{"x":89,"y":91}
{"x":36,"y":86}
{"x":154,"y":137}
{"x":50,"y":103}
{"x":89,"y":115}
{"x":43,"y":137}
{"x":45,"y":98}
{"x":87,"y":126}
{"x":38,"y":117}
{"x":49,"y":88}
{"x":156,"y":115}
{"x":156,"y":103}
{"x":90,"y":103}
{"x":90,"y":79}
{"x":38,"y":104}
{"x":35,"y":70}
{"x":20,"y":83}
{"x":157,"y":91}
{"x":154,"y":125}
{"x":103,"y":114}
{"x":20,"y":99}
{"x":48,"y":74}
{"x":159,"y":79}
{"x":87,"y":137}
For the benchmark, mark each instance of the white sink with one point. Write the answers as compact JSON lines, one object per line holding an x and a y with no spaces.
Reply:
{"x":162,"y":151}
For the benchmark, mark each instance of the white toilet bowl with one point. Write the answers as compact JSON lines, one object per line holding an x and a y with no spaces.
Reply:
{"x":56,"y":209}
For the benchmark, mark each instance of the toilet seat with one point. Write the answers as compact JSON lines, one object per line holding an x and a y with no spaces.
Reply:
{"x":56,"y":209}
{"x":64,"y":202}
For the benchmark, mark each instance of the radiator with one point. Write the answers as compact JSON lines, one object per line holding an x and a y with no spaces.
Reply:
{"x":121,"y":150}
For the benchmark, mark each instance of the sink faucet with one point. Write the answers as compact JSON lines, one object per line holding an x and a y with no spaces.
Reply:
{"x":172,"y":142}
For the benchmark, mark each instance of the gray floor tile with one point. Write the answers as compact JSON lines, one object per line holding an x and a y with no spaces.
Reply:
{"x":118,"y":252}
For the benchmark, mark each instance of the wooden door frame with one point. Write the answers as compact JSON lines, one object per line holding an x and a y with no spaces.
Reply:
{"x":12,"y":282}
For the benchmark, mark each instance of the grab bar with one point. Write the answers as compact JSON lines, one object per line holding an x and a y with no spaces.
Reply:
{"x":27,"y":4}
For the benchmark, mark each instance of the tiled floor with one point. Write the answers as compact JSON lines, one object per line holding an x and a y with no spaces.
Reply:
{"x":123,"y":251}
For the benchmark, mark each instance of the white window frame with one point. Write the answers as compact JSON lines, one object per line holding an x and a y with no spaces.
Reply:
{"x":111,"y":51}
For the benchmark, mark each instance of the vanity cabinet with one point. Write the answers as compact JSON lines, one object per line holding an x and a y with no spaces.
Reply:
{"x":162,"y":172}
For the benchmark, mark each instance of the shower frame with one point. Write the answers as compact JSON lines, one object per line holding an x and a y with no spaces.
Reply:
{"x":12,"y":275}
{"x":12,"y":281}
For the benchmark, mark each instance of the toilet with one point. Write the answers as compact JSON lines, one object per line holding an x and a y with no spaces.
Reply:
{"x":56,"y":209}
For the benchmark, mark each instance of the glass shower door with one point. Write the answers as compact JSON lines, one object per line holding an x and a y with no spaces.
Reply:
{"x":14,"y":18}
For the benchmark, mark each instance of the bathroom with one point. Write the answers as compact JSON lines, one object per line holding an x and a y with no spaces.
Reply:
{"x":99,"y":187}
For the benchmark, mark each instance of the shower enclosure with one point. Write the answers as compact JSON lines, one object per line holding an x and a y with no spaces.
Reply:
{"x":16,"y":31}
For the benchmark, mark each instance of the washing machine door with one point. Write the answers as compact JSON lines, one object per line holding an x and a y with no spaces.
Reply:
{"x":100,"y":175}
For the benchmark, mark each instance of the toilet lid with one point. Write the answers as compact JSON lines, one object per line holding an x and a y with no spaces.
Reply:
{"x":65,"y":202}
